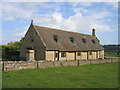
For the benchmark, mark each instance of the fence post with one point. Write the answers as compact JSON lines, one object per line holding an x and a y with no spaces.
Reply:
{"x":37,"y":64}
{"x":78,"y":62}
{"x":61,"y":63}
{"x":90,"y":61}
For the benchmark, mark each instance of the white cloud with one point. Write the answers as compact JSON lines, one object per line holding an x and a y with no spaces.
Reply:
{"x":86,"y":4}
{"x":0,"y":10}
{"x":57,"y":17}
{"x":101,"y":15}
{"x":113,"y":4}
{"x":9,"y":18}
{"x":77,"y":22}
{"x":12,"y":11}
{"x":20,"y":32}
{"x":60,"y":1}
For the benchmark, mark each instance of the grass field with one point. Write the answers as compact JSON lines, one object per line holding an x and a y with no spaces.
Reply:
{"x":86,"y":76}
{"x":111,"y":57}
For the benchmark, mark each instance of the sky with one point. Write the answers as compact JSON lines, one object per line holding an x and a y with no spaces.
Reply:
{"x":79,"y":17}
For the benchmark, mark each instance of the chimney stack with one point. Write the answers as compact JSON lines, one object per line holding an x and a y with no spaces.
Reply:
{"x":93,"y":32}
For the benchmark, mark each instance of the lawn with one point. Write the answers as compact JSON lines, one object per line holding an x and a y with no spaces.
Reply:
{"x":87,"y":76}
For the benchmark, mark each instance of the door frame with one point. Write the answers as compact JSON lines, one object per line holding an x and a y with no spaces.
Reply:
{"x":28,"y":53}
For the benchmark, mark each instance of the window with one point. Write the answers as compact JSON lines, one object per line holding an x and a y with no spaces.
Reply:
{"x":72,"y":40}
{"x":55,"y":38}
{"x":90,"y":53}
{"x":56,"y":54}
{"x":79,"y":54}
{"x":31,"y":40}
{"x":84,"y":40}
{"x":93,"y":41}
{"x":63,"y":54}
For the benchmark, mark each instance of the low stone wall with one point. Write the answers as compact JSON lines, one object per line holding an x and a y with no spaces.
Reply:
{"x":108,"y":60}
{"x":45,"y":64}
{"x":18,"y":65}
{"x":57,"y":63}
{"x":103,"y":61}
{"x":83,"y":62}
{"x":95,"y":61}
{"x":70,"y":63}
{"x":115,"y":60}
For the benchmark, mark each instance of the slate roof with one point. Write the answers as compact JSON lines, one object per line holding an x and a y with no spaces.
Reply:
{"x":64,"y":43}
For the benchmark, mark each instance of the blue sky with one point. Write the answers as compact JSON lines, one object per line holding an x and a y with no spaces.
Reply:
{"x":71,"y":16}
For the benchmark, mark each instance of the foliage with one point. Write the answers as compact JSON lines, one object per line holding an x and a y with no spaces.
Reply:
{"x":112,"y":54}
{"x":112,"y":50}
{"x":16,"y":43}
{"x":10,"y":52}
{"x":86,"y":76}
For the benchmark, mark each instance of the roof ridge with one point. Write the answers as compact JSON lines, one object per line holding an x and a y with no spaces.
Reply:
{"x":63,"y":30}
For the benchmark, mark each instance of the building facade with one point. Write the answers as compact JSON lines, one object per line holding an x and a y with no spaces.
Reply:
{"x":42,"y":43}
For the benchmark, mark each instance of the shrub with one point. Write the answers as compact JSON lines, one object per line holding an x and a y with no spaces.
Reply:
{"x":11,"y":52}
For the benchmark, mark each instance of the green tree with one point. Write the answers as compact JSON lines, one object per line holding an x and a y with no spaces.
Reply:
{"x":16,"y":43}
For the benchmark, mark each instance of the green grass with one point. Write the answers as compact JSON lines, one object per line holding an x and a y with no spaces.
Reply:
{"x":111,"y":57}
{"x":86,"y":76}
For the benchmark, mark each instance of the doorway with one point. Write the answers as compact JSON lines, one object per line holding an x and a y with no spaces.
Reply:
{"x":30,"y":55}
{"x":56,"y":56}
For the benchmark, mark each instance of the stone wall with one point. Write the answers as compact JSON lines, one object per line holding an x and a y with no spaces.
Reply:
{"x":45,"y":64}
{"x":83,"y":62}
{"x":94,"y":61}
{"x":19,"y":65}
{"x":69,"y":63}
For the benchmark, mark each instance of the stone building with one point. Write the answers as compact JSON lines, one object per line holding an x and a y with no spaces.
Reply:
{"x":42,"y":43}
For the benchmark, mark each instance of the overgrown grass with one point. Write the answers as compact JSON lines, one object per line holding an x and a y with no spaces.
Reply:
{"x":86,"y":76}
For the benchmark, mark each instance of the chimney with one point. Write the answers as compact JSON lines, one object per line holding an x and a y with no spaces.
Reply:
{"x":93,"y":32}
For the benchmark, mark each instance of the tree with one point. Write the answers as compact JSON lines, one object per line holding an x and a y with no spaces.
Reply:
{"x":16,"y":43}
{"x":11,"y":43}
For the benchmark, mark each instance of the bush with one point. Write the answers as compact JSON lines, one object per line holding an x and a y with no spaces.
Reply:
{"x":11,"y":52}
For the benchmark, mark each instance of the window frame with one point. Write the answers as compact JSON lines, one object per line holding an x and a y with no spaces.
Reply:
{"x":79,"y":54}
{"x":63,"y":54}
{"x":90,"y":53}
{"x":72,"y":40}
{"x":55,"y":37}
{"x":84,"y":40}
{"x":56,"y":55}
{"x":32,"y":40}
{"x":93,"y":41}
